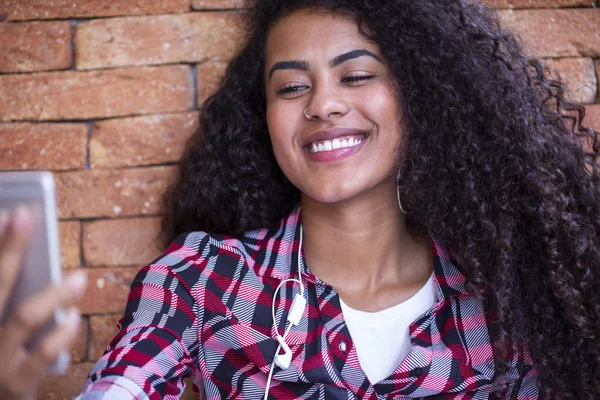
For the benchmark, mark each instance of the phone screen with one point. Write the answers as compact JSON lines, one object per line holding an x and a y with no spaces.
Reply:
{"x":41,"y":261}
{"x":31,"y":268}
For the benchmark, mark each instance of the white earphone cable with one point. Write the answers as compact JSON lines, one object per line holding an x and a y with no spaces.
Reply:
{"x":289,"y":325}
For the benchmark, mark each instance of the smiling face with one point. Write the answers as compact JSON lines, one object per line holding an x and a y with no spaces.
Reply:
{"x":319,"y":62}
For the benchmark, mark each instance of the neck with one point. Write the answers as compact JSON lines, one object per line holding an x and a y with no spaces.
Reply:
{"x":364,"y":244}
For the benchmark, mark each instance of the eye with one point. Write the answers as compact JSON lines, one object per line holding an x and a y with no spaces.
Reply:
{"x":356,"y":79}
{"x":291,"y":89}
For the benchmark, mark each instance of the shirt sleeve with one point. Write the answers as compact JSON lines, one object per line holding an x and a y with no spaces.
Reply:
{"x":156,"y":346}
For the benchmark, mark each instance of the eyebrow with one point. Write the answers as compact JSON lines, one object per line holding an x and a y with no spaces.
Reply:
{"x":305,"y":66}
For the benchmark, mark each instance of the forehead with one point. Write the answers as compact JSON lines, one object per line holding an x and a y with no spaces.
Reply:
{"x":309,"y":34}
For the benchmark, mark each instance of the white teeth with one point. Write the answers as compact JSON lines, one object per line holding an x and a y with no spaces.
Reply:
{"x":328,"y":145}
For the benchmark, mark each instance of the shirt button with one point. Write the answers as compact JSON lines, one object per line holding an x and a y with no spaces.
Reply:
{"x":343,"y":346}
{"x":417,"y":372}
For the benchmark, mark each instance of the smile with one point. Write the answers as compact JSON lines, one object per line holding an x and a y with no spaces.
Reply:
{"x":337,"y":143}
{"x":334,"y":144}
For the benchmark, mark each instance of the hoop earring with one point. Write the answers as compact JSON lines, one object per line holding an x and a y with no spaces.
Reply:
{"x":306,"y":115}
{"x":398,"y":192}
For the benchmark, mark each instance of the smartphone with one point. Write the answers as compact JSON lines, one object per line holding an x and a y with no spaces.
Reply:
{"x":41,"y":262}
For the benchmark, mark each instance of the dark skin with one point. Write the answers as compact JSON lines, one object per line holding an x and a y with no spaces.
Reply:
{"x":377,"y":262}
{"x":355,"y":236}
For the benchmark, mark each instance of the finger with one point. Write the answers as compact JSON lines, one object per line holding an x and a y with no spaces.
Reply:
{"x":49,"y":349}
{"x":34,"y":312}
{"x":10,"y":388}
{"x":12,"y":248}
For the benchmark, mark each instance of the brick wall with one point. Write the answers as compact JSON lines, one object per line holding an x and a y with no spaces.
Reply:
{"x":105,"y":92}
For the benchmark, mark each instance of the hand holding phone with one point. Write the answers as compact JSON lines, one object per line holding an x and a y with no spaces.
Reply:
{"x":23,"y":360}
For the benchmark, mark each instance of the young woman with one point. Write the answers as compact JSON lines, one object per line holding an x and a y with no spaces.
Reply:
{"x":405,"y":171}
{"x":386,"y":199}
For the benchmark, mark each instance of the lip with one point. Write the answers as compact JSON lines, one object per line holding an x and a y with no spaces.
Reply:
{"x":337,"y":154}
{"x":333,"y":133}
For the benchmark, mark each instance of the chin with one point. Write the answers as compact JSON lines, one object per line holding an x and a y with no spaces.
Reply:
{"x":331,"y":195}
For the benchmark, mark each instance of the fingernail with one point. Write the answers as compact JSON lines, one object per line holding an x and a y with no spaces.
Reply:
{"x":76,"y":281}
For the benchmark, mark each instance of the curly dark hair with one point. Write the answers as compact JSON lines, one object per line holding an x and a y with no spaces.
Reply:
{"x":497,"y":166}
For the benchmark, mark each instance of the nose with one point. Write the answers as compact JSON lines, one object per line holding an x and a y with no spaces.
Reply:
{"x":326,"y":102}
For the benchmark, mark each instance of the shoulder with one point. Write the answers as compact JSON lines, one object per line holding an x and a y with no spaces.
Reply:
{"x":261,"y":250}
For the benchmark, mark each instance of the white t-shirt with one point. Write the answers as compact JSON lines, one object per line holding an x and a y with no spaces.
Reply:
{"x":381,"y":338}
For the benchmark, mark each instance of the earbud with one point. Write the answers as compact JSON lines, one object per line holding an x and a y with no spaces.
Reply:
{"x":297,"y":309}
{"x":284,"y":360}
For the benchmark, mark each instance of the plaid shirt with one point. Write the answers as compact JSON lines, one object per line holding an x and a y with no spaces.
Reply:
{"x":204,"y":309}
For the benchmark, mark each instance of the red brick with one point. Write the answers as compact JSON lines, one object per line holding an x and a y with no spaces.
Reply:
{"x":42,"y":146}
{"x":190,"y":37}
{"x":147,"y":140}
{"x":592,"y":116}
{"x":118,"y":242}
{"x":556,"y":33}
{"x":208,"y":77}
{"x":538,"y":3}
{"x":55,"y":9}
{"x":70,"y":244}
{"x":65,"y":387}
{"x":35,"y":46}
{"x":216,"y":4}
{"x":579,"y":77}
{"x":591,"y":120}
{"x":107,"y":290}
{"x":102,"y":329}
{"x":95,"y":94}
{"x":597,"y":64}
{"x":112,"y":193}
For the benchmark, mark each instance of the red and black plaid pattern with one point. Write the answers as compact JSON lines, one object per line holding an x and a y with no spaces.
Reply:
{"x":204,"y":309}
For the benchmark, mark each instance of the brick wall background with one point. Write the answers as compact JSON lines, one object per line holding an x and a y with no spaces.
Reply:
{"x":105,"y":92}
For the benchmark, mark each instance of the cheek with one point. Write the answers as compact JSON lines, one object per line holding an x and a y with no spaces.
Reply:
{"x":386,"y":113}
{"x":281,"y":131}
{"x":383,"y":103}
{"x":277,"y":128}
